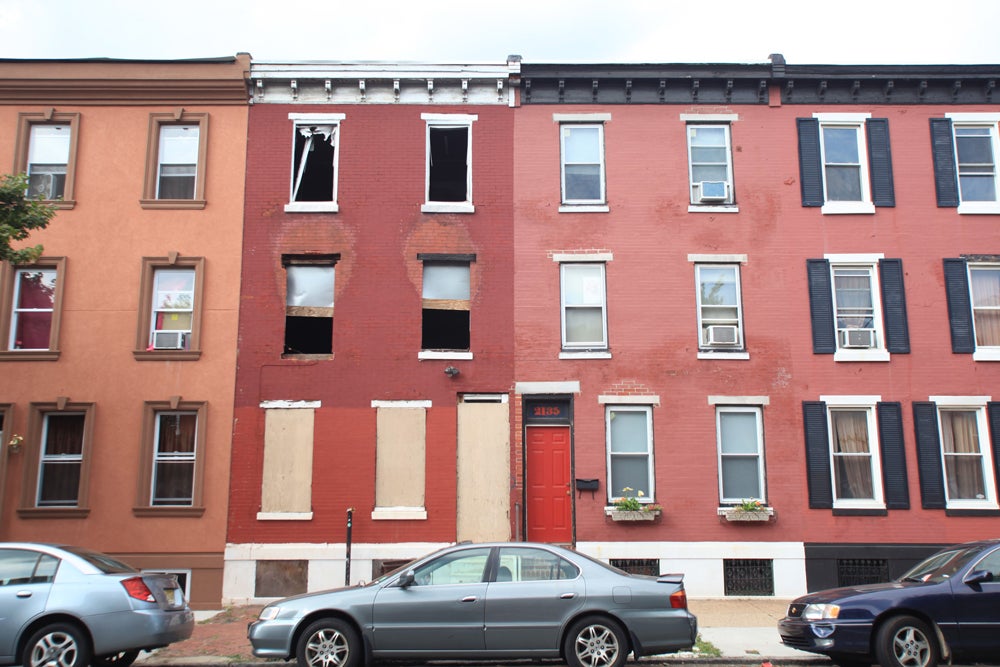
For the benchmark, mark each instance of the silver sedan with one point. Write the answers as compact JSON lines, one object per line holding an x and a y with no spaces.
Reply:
{"x":484,"y":601}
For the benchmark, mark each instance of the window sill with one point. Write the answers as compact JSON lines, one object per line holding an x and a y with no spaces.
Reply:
{"x":585,"y":354}
{"x":284,"y":516}
{"x":188,"y":204}
{"x":166,"y":355}
{"x":722,"y":355}
{"x":29,"y":355}
{"x":986,"y":354}
{"x":723,"y":208}
{"x":584,"y":208}
{"x":448,"y":207}
{"x":61,"y":204}
{"x":307,"y":357}
{"x":631,"y":515}
{"x":861,"y":355}
{"x":53,"y":512}
{"x":399,"y":514}
{"x":738,"y":515}
{"x":847,"y":208}
{"x":969,"y":511}
{"x":979,"y":208}
{"x":312,"y":207}
{"x":875,"y":510}
{"x":168,"y":511}
{"x":444,"y":354}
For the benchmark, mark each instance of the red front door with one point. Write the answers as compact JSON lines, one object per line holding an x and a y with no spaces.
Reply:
{"x":550,"y":499}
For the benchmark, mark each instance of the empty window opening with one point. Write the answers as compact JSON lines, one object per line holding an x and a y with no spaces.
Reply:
{"x":445,"y":306}
{"x":448,"y":171}
{"x":313,"y":166}
{"x":309,"y":308}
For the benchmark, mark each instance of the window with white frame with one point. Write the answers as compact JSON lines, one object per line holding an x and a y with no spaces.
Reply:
{"x":584,"y":311}
{"x":857,"y":307}
{"x":965,"y":148}
{"x":842,"y":145}
{"x":315,"y":160}
{"x":710,"y":164}
{"x":174,"y":457}
{"x":720,"y":316}
{"x":975,"y":151}
{"x":61,"y":461}
{"x":582,"y":163}
{"x":854,"y":455}
{"x":740,"y":434}
{"x":177,"y":169}
{"x":630,"y":452}
{"x":966,"y":457}
{"x":449,"y":163}
{"x":48,"y":158}
{"x":984,"y":287}
{"x":176,"y":155}
{"x":172,"y":309}
{"x":34,"y":306}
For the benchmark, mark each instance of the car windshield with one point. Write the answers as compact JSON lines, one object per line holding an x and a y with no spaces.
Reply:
{"x":941,"y":566}
{"x":102,"y":562}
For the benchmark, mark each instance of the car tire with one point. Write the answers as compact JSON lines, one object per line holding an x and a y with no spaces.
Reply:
{"x":595,"y":641}
{"x":329,"y":642}
{"x":905,"y":641}
{"x":120,"y":659}
{"x":59,"y":645}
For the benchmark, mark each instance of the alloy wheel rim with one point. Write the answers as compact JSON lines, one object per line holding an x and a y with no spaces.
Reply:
{"x":911,"y":647}
{"x":597,"y":646}
{"x":56,"y":649}
{"x":327,"y":648}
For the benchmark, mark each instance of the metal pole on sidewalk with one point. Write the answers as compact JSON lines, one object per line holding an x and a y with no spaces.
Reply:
{"x":347,"y":569}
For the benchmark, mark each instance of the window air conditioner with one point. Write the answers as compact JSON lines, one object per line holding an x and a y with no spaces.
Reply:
{"x":863,"y":338}
{"x":169,"y":340}
{"x":712,"y":190}
{"x":722,"y":335}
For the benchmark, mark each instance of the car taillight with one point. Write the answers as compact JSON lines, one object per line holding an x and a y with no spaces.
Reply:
{"x":138,"y":589}
{"x":679,"y":600}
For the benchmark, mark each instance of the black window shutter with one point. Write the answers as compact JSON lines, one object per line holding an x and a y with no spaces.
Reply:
{"x":993,"y":415}
{"x":925,"y":426}
{"x":817,"y":455}
{"x":945,"y":170}
{"x":956,"y":285}
{"x":810,"y":165}
{"x":821,"y":306}
{"x":880,"y":162}
{"x":890,"y":435}
{"x":897,"y":331}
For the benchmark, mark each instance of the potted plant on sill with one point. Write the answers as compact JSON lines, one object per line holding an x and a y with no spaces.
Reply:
{"x":747,"y":510}
{"x":629,"y":508}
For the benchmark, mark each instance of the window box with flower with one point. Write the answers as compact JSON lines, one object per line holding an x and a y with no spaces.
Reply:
{"x":747,"y":510}
{"x":632,"y":508}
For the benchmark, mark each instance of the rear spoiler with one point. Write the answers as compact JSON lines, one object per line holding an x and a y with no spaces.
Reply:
{"x":673,"y":578}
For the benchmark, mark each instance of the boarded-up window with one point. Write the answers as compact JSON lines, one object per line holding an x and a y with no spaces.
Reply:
{"x":400,"y":456}
{"x":309,"y":293}
{"x":288,"y":460}
{"x":445,"y":306}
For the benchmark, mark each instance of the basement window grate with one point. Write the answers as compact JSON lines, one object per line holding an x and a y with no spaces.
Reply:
{"x":860,"y":571}
{"x":748,"y":576}
{"x":649,"y":566}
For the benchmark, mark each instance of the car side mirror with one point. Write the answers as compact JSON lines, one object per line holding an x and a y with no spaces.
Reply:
{"x":978,"y":577}
{"x":406,"y":579}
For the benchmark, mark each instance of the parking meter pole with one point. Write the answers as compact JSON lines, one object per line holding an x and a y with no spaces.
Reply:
{"x":347,"y":570}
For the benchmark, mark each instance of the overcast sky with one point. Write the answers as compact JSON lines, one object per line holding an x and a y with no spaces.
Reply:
{"x":487,"y":31}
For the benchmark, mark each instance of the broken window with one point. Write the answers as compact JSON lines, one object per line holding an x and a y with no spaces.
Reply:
{"x":316,"y":138}
{"x":309,"y":305}
{"x":449,"y":163}
{"x":446,"y":305}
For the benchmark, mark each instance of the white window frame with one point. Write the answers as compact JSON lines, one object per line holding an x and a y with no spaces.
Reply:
{"x":177,"y":457}
{"x":715,"y":121}
{"x":55,"y":459}
{"x":161,"y":157}
{"x":758,"y":412}
{"x":37,"y":145}
{"x":310,"y":119}
{"x":436,"y":120}
{"x":703,"y":343}
{"x":649,"y":493}
{"x":16,"y":310}
{"x":982,"y":352}
{"x":988,"y":120}
{"x":847,"y":120}
{"x":155,"y":309}
{"x":601,"y":346}
{"x":868,"y":405}
{"x":596,"y":121}
{"x":869,"y":262}
{"x":976,"y":404}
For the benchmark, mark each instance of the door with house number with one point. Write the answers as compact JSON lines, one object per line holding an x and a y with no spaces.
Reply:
{"x":549,"y":500}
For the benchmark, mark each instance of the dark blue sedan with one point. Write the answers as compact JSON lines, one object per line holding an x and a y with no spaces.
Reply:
{"x":946,"y":607}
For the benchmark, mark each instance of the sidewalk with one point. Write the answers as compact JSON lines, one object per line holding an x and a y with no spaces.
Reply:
{"x":744,"y":630}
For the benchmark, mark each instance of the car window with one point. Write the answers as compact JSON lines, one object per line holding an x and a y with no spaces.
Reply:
{"x":527,"y":564}
{"x":990,"y":564}
{"x":21,"y":566}
{"x":941,"y":565}
{"x":458,"y":567}
{"x":102,"y":562}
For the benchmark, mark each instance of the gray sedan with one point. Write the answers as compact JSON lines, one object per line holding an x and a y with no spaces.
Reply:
{"x":63,"y":606}
{"x":484,"y":601}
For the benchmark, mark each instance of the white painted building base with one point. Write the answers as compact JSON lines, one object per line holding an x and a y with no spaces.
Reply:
{"x":701,"y":563}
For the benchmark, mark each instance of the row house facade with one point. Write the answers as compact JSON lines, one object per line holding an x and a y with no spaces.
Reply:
{"x":118,"y":346}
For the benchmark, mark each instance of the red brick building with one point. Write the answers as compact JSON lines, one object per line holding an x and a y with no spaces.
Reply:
{"x":376,"y":328}
{"x":759,"y":283}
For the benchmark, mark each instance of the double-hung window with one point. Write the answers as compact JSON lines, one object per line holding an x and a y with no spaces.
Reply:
{"x":973,"y":292}
{"x":720,"y":313}
{"x":170,"y":305}
{"x":449,"y":163}
{"x":582,"y":170}
{"x":845,"y":163}
{"x":583,"y":306}
{"x":171,"y":479}
{"x":31,"y":304}
{"x":46,"y":152}
{"x":61,"y":459}
{"x":965,"y":150}
{"x":630,"y":452}
{"x":446,"y":306}
{"x":315,"y":160}
{"x":175,"y":160}
{"x":710,"y":164}
{"x":958,"y":464}
{"x":309,"y":281}
{"x":740,"y":434}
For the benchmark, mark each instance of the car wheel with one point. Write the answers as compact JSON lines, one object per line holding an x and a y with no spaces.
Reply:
{"x":120,"y":659}
{"x":906,"y":641}
{"x":57,"y":645}
{"x":595,"y":642}
{"x":329,"y":642}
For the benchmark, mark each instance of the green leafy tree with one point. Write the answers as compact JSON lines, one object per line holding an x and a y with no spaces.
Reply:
{"x":19,"y":216}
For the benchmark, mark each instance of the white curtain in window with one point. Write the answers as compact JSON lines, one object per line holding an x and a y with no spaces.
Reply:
{"x":852,"y":455}
{"x":986,"y":305}
{"x":962,"y":457}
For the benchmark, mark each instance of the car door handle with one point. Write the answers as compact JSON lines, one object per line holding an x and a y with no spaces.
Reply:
{"x":24,"y":594}
{"x":567,"y":596}
{"x":469,"y":598}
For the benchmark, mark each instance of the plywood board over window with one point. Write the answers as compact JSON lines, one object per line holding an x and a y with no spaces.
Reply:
{"x":401,"y":451}
{"x":286,"y":488}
